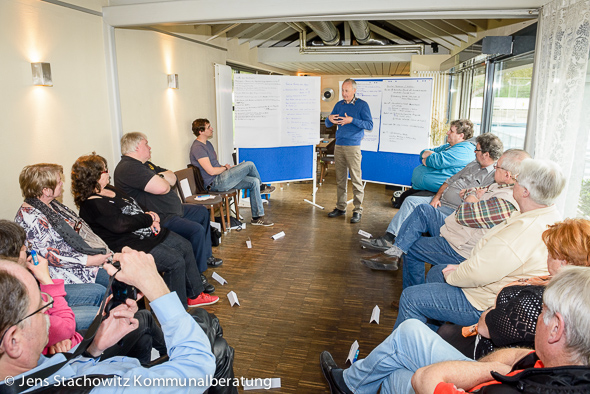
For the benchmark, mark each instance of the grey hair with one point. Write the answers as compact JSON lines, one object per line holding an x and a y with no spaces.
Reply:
{"x":491,"y":144}
{"x":14,"y":298}
{"x":512,"y":158}
{"x":543,"y":179}
{"x":350,"y":81}
{"x":130,"y":141}
{"x":568,"y":294}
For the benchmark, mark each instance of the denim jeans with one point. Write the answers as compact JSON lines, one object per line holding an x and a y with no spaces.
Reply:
{"x":243,"y":176}
{"x":393,"y":362}
{"x":408,"y":206}
{"x":195,"y":226}
{"x":84,"y":299}
{"x":174,"y":257}
{"x":436,"y":301}
{"x":418,"y":249}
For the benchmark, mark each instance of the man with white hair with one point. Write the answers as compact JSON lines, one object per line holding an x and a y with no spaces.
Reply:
{"x":416,"y":359}
{"x":513,"y":250}
{"x":151,"y":186}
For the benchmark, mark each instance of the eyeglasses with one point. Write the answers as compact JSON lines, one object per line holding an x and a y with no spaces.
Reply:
{"x":477,"y":150}
{"x":105,"y":171}
{"x":496,"y":166}
{"x":47,"y":299}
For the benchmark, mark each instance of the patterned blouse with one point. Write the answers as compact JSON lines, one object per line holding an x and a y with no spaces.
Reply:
{"x":64,"y":261}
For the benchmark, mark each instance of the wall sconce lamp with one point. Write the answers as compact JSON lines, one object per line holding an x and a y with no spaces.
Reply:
{"x":173,"y":81}
{"x":41,"y":74}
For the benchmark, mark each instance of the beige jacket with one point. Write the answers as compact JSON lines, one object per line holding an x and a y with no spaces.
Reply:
{"x":510,"y":251}
{"x":462,"y":238}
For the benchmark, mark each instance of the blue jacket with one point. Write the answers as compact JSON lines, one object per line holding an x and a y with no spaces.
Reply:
{"x":445,"y":162}
{"x":352,"y":133}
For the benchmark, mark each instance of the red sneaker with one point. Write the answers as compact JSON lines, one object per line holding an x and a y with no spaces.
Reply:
{"x":202,"y":300}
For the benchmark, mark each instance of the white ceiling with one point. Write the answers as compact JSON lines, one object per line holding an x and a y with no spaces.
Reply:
{"x":263,"y":24}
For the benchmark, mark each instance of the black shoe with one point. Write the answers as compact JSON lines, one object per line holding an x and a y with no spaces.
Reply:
{"x":208,"y":287}
{"x":336,"y":212}
{"x":376,"y":243}
{"x":356,"y":217}
{"x":382,"y":262}
{"x":213,"y":261}
{"x":328,"y":364}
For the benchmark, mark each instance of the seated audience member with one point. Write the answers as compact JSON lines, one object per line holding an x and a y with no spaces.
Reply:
{"x":119,"y":221}
{"x":512,"y":320}
{"x":74,"y":252}
{"x":151,"y":186}
{"x":223,"y":178}
{"x":510,"y":251}
{"x":452,"y":238}
{"x":62,"y":335}
{"x":415,"y":359}
{"x":478,"y":173}
{"x":24,"y":331}
{"x":87,"y":296}
{"x":440,"y":163}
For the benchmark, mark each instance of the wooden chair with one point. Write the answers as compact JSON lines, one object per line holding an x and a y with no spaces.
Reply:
{"x":211,"y":204}
{"x":326,"y":158}
{"x":226,"y":195}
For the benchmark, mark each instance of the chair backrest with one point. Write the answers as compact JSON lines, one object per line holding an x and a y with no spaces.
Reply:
{"x":199,"y":183}
{"x":189,"y":175}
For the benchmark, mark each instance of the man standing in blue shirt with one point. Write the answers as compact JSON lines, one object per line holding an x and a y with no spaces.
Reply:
{"x":353,"y":117}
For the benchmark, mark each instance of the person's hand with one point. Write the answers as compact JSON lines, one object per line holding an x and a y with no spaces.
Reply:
{"x":40,"y":271}
{"x":482,"y":327}
{"x":435,"y":202}
{"x":227,"y":166}
{"x":60,"y":347}
{"x":98,"y":259}
{"x":448,"y":269}
{"x":138,"y":269}
{"x":156,"y":228}
{"x":119,"y":323}
{"x":479,"y":192}
{"x":346,"y":119}
{"x":155,"y":216}
{"x":335,"y":118}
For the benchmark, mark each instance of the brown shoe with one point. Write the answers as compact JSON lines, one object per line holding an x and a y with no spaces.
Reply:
{"x":382,"y":262}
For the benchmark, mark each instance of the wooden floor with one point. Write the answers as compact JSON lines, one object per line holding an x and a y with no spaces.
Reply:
{"x":306,"y":292}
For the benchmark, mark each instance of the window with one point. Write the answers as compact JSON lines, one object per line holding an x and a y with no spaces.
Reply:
{"x":476,"y":103}
{"x":511,"y":93}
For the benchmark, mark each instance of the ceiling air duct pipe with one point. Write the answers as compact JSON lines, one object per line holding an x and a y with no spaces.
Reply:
{"x":326,"y":31}
{"x":363,"y":34}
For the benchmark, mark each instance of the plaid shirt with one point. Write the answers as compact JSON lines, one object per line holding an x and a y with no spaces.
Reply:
{"x":484,"y":213}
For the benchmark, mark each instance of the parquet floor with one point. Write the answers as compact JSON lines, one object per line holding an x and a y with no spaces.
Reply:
{"x":306,"y":292}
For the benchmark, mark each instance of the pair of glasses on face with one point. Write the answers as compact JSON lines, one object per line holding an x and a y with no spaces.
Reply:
{"x":496,"y":166}
{"x":48,"y":303}
{"x":105,"y":171}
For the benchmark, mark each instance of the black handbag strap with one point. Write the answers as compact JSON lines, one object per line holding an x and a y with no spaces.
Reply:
{"x":42,"y":374}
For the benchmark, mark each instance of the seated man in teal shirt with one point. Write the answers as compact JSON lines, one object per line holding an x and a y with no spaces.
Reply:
{"x":446,"y":160}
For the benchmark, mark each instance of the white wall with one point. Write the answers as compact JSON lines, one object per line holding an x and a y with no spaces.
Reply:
{"x":165,"y":115}
{"x":50,"y":124}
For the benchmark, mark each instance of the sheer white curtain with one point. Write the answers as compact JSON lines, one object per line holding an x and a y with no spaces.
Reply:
{"x":440,"y":90}
{"x":561,"y":61}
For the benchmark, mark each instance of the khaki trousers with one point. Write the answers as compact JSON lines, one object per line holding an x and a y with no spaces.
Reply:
{"x":348,"y":159}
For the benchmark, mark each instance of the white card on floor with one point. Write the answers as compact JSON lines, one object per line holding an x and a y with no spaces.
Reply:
{"x":374,"y":315}
{"x":185,"y":188}
{"x":249,"y":243}
{"x":243,"y":226}
{"x":262,"y":384}
{"x":365,"y":234}
{"x":216,"y":225}
{"x":279,"y":235}
{"x":233,"y":298}
{"x":218,"y":278}
{"x":352,"y":353}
